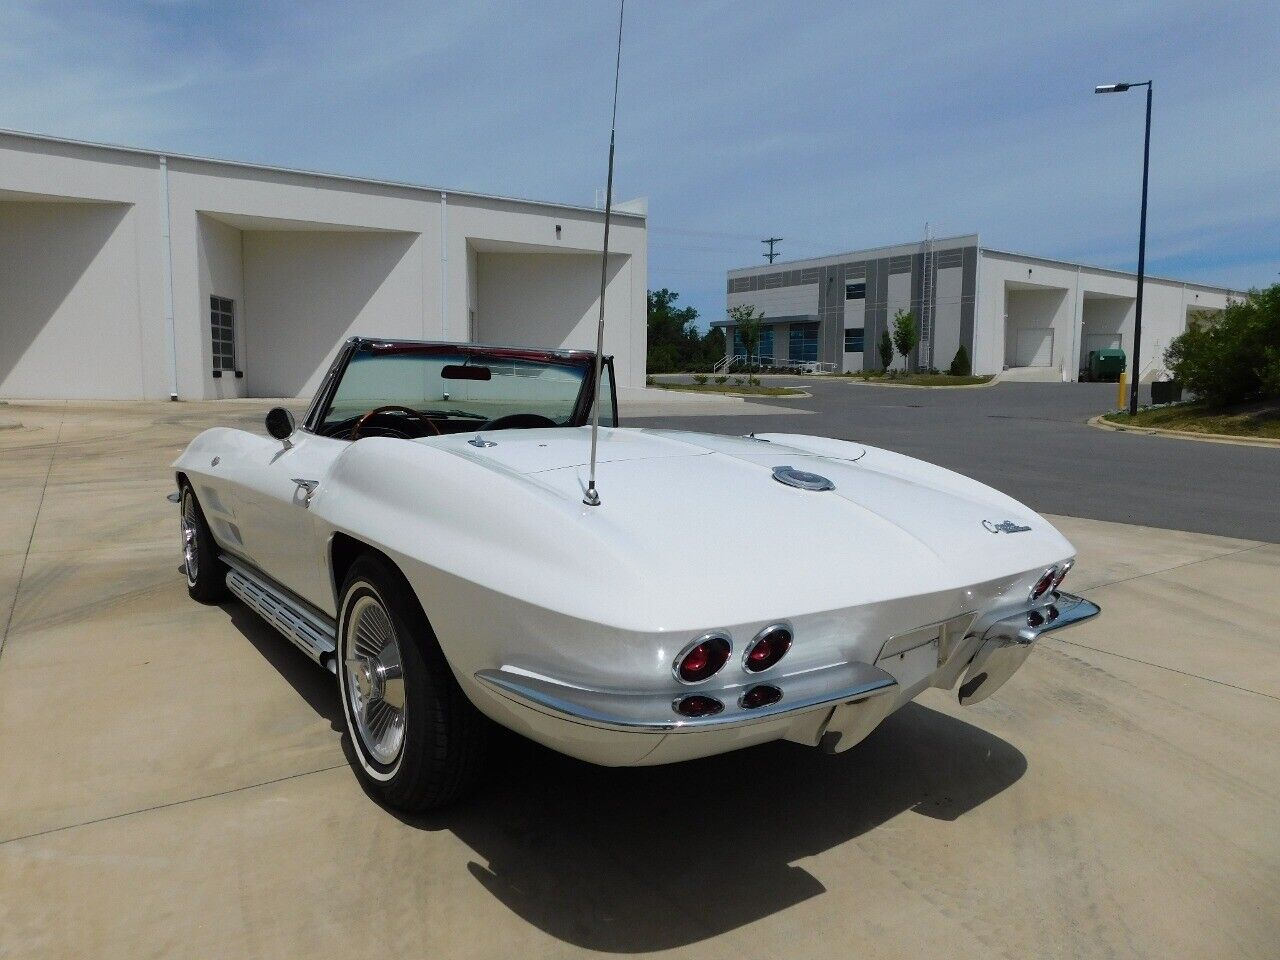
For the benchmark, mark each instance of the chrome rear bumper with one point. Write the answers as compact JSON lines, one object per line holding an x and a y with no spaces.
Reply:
{"x":1007,"y":643}
{"x":868,"y":691}
{"x":653,"y":712}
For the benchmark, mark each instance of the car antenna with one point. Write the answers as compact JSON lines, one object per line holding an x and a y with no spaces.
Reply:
{"x":592,"y":498}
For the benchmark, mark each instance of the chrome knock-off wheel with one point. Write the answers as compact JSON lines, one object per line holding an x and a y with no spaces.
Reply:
{"x":190,"y":523}
{"x":375,"y":679}
{"x":418,"y":742}
{"x":205,"y":572}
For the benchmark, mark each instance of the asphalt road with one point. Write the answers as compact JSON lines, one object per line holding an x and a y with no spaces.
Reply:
{"x":1031,"y":441}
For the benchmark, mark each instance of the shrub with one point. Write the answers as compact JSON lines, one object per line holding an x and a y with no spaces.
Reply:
{"x":886,"y":349}
{"x":722,"y":379}
{"x":737,"y":381}
{"x":1234,"y":356}
{"x":700,"y":379}
{"x":753,"y":381}
{"x":960,"y":366}
{"x":662,"y":359}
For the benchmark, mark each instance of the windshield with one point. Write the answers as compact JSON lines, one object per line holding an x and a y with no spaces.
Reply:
{"x":459,"y":387}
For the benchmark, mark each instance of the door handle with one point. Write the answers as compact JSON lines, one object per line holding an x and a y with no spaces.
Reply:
{"x":309,"y":488}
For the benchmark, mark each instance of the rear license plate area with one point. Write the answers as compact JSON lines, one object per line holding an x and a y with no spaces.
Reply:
{"x":912,"y":657}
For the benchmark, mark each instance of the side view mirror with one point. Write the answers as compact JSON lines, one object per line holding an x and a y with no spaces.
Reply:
{"x":280,"y":423}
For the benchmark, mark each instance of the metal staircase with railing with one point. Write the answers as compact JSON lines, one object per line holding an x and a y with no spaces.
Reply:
{"x":758,"y":361}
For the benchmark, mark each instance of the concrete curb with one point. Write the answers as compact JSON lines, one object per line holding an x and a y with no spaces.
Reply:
{"x":728,"y":395}
{"x":920,"y":386}
{"x":757,"y":397}
{"x":836,"y":378}
{"x":658,"y":394}
{"x":1102,"y":424}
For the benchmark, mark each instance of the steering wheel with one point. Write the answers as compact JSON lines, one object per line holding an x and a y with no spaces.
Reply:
{"x":517,"y":421}
{"x":360,"y":424}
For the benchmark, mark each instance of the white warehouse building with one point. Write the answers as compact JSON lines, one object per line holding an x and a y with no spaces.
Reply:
{"x":132,"y":274}
{"x":1034,"y":316}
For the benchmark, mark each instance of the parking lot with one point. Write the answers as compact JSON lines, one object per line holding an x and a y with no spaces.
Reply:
{"x":175,"y":777}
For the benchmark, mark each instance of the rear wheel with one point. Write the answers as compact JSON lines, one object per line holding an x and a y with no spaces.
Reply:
{"x":419,"y":742}
{"x":206,"y":573}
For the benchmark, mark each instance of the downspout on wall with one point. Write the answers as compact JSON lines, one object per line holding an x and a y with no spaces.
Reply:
{"x":1073,"y":356}
{"x":977,"y":304}
{"x":444,"y":265}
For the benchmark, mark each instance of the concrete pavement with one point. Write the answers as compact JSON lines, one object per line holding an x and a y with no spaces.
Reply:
{"x":175,"y":781}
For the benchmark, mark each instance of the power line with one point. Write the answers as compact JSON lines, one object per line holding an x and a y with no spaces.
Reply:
{"x":771,"y":256}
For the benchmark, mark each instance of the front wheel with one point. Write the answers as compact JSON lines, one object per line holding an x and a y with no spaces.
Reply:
{"x":419,"y":742}
{"x":206,"y":573}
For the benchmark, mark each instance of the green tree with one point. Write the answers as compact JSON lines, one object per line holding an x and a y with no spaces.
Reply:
{"x":905,"y":335}
{"x":885,"y":348}
{"x":960,"y":365}
{"x":750,"y":325}
{"x":662,"y":358}
{"x":674,"y":340}
{"x":1233,"y":356}
{"x":713,"y":346}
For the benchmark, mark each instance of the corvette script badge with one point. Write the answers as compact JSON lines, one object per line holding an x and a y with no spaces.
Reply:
{"x":1004,"y":526}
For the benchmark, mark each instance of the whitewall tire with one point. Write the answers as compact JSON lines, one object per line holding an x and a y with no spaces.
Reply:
{"x":419,"y":743}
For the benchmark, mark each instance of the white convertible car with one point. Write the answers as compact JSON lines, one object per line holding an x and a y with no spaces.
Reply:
{"x":423,"y":535}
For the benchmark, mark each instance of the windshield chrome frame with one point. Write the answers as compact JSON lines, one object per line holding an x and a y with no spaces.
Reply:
{"x":323,"y":400}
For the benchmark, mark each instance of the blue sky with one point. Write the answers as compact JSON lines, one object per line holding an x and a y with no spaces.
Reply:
{"x":833,"y":125}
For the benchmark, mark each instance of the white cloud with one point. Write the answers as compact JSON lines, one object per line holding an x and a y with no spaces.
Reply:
{"x":831,"y":124}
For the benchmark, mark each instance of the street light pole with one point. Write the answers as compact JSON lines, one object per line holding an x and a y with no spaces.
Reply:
{"x":1136,"y":369}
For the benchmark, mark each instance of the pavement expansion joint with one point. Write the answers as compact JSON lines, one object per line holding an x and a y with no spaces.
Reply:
{"x":175,"y":803}
{"x":35,"y":520}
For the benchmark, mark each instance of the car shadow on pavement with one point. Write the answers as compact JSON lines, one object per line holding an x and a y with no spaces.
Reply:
{"x":654,"y":858}
{"x":629,"y":860}
{"x":314,"y":684}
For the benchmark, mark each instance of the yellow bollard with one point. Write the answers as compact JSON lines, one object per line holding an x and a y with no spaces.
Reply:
{"x":1122,"y":401}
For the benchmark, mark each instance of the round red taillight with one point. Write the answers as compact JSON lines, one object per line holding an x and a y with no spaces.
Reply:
{"x":760,"y":695}
{"x":697,"y":706}
{"x":1063,"y":570}
{"x":702,"y":659}
{"x":1044,"y":583}
{"x":769,"y":646}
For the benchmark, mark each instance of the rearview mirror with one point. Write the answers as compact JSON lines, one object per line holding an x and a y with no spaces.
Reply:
{"x":458,"y":371}
{"x":280,"y":423}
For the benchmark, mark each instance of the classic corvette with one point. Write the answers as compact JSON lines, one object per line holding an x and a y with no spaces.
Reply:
{"x":425,"y":535}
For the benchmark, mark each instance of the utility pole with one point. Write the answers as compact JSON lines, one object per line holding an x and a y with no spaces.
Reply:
{"x":771,"y":256}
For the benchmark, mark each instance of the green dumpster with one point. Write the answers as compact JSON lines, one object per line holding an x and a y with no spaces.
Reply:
{"x":1106,"y":364}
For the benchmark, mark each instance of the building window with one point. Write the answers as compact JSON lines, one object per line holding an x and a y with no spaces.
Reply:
{"x":764,"y":349}
{"x":855,"y":290}
{"x":222,"y":325}
{"x":853,"y":339}
{"x":803,"y":342}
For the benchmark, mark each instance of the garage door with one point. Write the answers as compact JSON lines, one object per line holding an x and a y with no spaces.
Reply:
{"x":1034,"y":347}
{"x":1100,"y":341}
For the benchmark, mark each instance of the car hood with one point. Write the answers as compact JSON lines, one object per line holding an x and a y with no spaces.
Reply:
{"x":680,"y":504}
